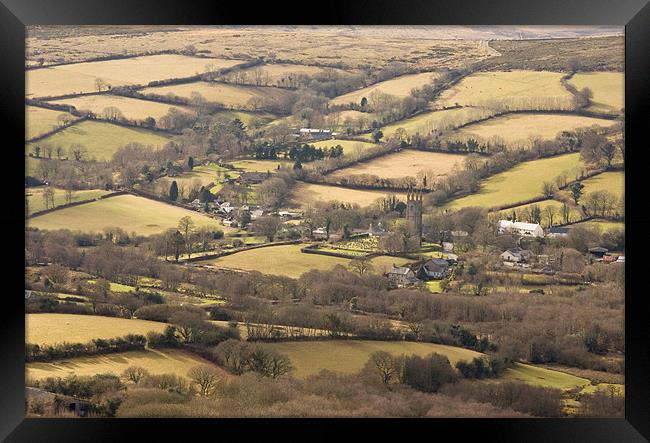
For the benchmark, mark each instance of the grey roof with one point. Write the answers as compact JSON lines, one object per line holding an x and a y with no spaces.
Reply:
{"x":559,"y":230}
{"x":401,"y":270}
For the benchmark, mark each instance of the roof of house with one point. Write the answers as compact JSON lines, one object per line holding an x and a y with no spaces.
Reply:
{"x":401,"y":270}
{"x":598,"y":249}
{"x":518,"y":225}
{"x":437,"y":262}
{"x":559,"y":230}
{"x":518,"y":251}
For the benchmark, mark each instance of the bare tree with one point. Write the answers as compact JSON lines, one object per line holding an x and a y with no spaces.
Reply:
{"x":135,"y":374}
{"x":206,"y":378}
{"x":361,"y":265}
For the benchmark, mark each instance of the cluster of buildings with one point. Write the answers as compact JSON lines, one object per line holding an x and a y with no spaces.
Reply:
{"x":408,"y":276}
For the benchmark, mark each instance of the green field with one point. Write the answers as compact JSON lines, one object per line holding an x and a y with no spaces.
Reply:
{"x":247,"y":117}
{"x":81,"y":77}
{"x":520,"y":183}
{"x":131,"y":108}
{"x":520,"y":128}
{"x":613,"y":181}
{"x":40,"y":120}
{"x":544,"y":377}
{"x":608,"y":90}
{"x":427,"y":122}
{"x":349,"y":356}
{"x":253,"y":165}
{"x":601,"y":225}
{"x":49,"y":329}
{"x":101,"y":140}
{"x":205,"y":175}
{"x":129,"y":212}
{"x":287,"y":260}
{"x":519,"y":89}
{"x":235,"y":96}
{"x":574,"y":213}
{"x":155,"y":361}
{"x":35,"y":201}
{"x":350,"y":147}
{"x":399,"y":86}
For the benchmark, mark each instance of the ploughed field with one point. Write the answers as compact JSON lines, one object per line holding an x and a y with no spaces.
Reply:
{"x":81,"y":77}
{"x":39,"y":121}
{"x":520,"y":128}
{"x":129,"y":212}
{"x":305,"y":194}
{"x":399,"y":86}
{"x":289,"y":261}
{"x":521,"y":183}
{"x":131,"y":108}
{"x":100,"y":139}
{"x":234,"y":96}
{"x":406,"y":163}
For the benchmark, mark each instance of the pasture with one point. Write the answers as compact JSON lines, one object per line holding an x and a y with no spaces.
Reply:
{"x":247,"y":117}
{"x":520,"y":89}
{"x":281,"y":74}
{"x":406,"y":163}
{"x":601,"y":225}
{"x":543,"y":377}
{"x":350,"y":147}
{"x":607,"y":87}
{"x":48,"y":329}
{"x":349,"y":356}
{"x":131,"y":108}
{"x":155,"y":361}
{"x":520,"y":183}
{"x":232,"y":96}
{"x":129,"y":212}
{"x":442,"y":120}
{"x":80,"y":77}
{"x":287,"y":260}
{"x":254,"y":165}
{"x":40,"y":120}
{"x":36,"y":203}
{"x":209,"y":176}
{"x":520,"y":128}
{"x":574,"y":213}
{"x":399,"y":86}
{"x":100,"y":139}
{"x":305,"y":194}
{"x":612,"y":181}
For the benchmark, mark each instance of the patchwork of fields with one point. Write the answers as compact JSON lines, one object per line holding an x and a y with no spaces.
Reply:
{"x":520,"y":183}
{"x":80,"y":77}
{"x":287,"y":260}
{"x":241,"y":97}
{"x":522,"y":128}
{"x":407,"y":162}
{"x":129,"y":212}
{"x":305,"y":194}
{"x":100,"y":139}
{"x":399,"y":86}
{"x":131,"y":108}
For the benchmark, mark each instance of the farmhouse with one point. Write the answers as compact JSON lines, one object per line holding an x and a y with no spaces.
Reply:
{"x":319,"y":234}
{"x":521,"y":228}
{"x":313,"y":134}
{"x":516,"y":255}
{"x":436,"y":269}
{"x":400,"y":276}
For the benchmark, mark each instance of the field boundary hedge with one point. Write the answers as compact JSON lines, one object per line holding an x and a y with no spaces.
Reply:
{"x":242,"y":249}
{"x":98,"y":346}
{"x":56,"y":130}
{"x":82,"y":202}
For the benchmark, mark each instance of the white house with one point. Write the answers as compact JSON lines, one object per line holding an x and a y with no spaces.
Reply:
{"x":521,"y":228}
{"x":319,"y":234}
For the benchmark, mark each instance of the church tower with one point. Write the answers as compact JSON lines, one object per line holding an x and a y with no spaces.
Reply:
{"x":414,"y":214}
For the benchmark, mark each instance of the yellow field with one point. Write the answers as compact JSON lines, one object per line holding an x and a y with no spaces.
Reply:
{"x":101,"y":140}
{"x":608,"y":89}
{"x":80,"y":77}
{"x":305,"y":194}
{"x":544,"y":377}
{"x":601,"y":225}
{"x":261,"y":165}
{"x":155,"y":361}
{"x":287,"y":260}
{"x":613,"y":182}
{"x":48,"y":329}
{"x":520,"y":183}
{"x":131,"y":108}
{"x":36,"y":203}
{"x":349,"y":356}
{"x":574,"y":213}
{"x":40,"y":120}
{"x":399,"y":86}
{"x":225,"y":94}
{"x":406,"y":163}
{"x":278,"y":74}
{"x":427,"y":122}
{"x":131,"y":213}
{"x":521,"y":127}
{"x":521,"y":88}
{"x":350,"y":147}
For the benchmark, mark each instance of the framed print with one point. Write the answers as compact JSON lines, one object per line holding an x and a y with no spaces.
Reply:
{"x":262,"y":219}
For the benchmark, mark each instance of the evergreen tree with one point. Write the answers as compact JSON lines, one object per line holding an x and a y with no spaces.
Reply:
{"x":173,"y":191}
{"x":190,"y":163}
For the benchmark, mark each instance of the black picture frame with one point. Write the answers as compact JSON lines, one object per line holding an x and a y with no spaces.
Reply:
{"x":633,"y":14}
